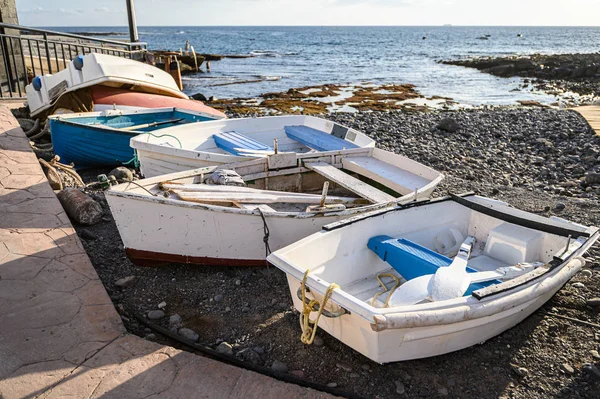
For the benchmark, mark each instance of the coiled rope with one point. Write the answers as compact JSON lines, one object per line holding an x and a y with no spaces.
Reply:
{"x":309,"y":327}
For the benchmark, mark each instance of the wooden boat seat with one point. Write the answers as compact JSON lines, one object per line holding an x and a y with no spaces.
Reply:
{"x":234,"y":142}
{"x":349,"y":182}
{"x":401,"y":181}
{"x":317,"y":139}
{"x":412,"y":260}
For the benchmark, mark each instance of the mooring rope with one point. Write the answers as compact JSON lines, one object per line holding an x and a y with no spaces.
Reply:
{"x":266,"y":232}
{"x":309,"y":327}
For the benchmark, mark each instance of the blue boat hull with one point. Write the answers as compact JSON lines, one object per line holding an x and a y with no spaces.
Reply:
{"x":96,"y":141}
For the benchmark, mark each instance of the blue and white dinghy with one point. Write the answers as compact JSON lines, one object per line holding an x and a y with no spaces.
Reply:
{"x":236,"y":140}
{"x":431,"y":277}
{"x":102,"y":138}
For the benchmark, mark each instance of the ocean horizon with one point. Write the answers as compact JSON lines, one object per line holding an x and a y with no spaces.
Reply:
{"x":286,"y":57}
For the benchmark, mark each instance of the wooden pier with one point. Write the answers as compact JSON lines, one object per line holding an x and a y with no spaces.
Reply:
{"x":591,"y":113}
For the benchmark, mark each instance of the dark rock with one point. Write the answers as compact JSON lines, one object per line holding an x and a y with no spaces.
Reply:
{"x":594,"y":302}
{"x":188,"y":334}
{"x":297,"y":373}
{"x":126,"y":281}
{"x":279,"y":366}
{"x":121,"y":173}
{"x":250,"y":356}
{"x":448,"y":125}
{"x":87,"y":235}
{"x":174,"y":321}
{"x":156,"y":314}
{"x":592,"y":178}
{"x":199,"y":97}
{"x":592,"y":370}
{"x":225,"y":348}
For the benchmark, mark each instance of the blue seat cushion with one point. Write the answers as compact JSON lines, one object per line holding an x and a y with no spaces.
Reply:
{"x":412,"y":260}
{"x":317,"y":139}
{"x":233,"y":142}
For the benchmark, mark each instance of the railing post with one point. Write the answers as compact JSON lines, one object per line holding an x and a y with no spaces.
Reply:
{"x":47,"y":52}
{"x":133,"y":33}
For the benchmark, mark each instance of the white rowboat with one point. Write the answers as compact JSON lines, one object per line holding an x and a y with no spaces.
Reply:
{"x":517,"y":262}
{"x":229,"y":225}
{"x":236,"y":140}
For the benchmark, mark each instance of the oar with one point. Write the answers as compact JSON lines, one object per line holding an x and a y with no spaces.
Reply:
{"x":152,"y":124}
{"x":448,"y":282}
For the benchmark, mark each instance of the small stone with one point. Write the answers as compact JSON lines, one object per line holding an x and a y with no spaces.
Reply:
{"x":245,"y":309}
{"x":592,"y":370}
{"x":122,"y":174}
{"x":156,"y":314}
{"x":567,"y":368}
{"x":259,"y":349}
{"x":188,"y":334}
{"x":586,"y":273}
{"x":448,"y":125}
{"x":318,"y":341}
{"x":560,"y":206}
{"x":147,"y":330}
{"x":521,"y":371}
{"x":174,"y":320}
{"x":280,"y":367}
{"x":343,"y":366}
{"x":120,"y":309}
{"x":225,"y":349}
{"x":400,"y":389}
{"x":365,"y":367}
{"x":126,"y":281}
{"x":150,"y":337}
{"x":238,"y":282}
{"x":594,"y":302}
{"x":162,"y":305}
{"x":297,"y":373}
{"x":87,"y":235}
{"x":578,"y":285}
{"x":218,"y":298}
{"x":595,"y":354}
{"x":443,"y":391}
{"x":332,"y":385}
{"x":354,"y":375}
{"x":227,"y":309}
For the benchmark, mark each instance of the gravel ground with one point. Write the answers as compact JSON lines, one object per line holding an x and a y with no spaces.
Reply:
{"x":542,"y":161}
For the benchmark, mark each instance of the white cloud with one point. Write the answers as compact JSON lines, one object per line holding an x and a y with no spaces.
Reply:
{"x":102,"y":9}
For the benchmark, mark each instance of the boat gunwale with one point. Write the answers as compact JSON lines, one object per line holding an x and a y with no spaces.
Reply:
{"x":137,"y":142}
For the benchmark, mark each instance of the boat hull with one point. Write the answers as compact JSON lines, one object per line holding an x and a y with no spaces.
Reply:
{"x":204,"y":236}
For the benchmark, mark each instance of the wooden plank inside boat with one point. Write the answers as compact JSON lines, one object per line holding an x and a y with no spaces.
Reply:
{"x":399,"y":180}
{"x":349,"y":182}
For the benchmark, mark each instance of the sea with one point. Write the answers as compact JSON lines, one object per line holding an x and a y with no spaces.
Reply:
{"x":287,"y":57}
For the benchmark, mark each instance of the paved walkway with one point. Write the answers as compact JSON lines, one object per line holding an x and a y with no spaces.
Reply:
{"x":60,"y":335}
{"x":591,"y":113}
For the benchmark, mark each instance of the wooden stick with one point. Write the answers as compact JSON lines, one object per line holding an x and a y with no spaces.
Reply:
{"x":585,"y":323}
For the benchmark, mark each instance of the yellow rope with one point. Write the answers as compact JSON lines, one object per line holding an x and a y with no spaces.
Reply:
{"x":308,"y":326}
{"x":385,"y":289}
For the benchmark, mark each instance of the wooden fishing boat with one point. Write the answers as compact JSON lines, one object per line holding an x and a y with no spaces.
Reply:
{"x":175,"y":218}
{"x":102,"y":138}
{"x":236,"y":140}
{"x":393,"y":297}
{"x":99,"y":69}
{"x":105,"y":97}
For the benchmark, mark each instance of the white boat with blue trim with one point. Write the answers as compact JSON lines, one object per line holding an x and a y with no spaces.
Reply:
{"x":428,"y":278}
{"x":225,"y":141}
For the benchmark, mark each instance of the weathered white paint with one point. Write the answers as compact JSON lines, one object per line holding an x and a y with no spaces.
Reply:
{"x":161,"y":155}
{"x":429,"y":329}
{"x":171,"y":226}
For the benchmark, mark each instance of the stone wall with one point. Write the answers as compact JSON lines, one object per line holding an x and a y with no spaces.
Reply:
{"x":8,"y":15}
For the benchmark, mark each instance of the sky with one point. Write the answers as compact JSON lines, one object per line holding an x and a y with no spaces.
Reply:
{"x":310,"y":12}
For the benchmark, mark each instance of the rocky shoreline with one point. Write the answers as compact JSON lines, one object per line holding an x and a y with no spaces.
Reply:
{"x":555,"y":74}
{"x":540,"y":160}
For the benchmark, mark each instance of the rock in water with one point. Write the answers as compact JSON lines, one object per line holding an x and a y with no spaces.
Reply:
{"x":121,"y":173}
{"x":448,"y":125}
{"x":80,"y":207}
{"x":199,"y":97}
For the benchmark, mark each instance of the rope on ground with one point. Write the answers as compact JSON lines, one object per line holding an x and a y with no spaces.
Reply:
{"x":266,"y":232}
{"x":585,"y":323}
{"x":34,"y":128}
{"x":385,"y":289}
{"x":42,"y":133}
{"x":309,"y":327}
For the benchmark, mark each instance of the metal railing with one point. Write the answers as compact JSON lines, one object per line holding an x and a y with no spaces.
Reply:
{"x":28,"y":52}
